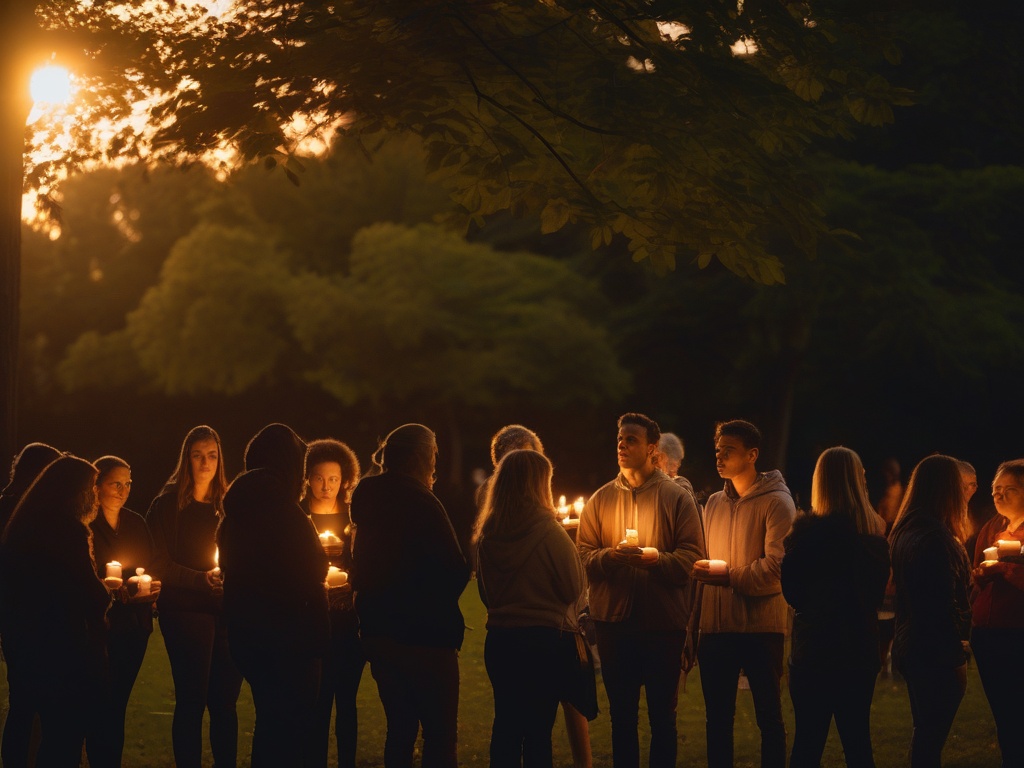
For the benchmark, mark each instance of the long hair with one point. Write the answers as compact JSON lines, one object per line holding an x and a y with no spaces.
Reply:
{"x":27,"y":466}
{"x":328,"y":449}
{"x":936,"y":490}
{"x":839,"y":489}
{"x":277,"y":449}
{"x":181,"y":480}
{"x":407,"y":450}
{"x":63,"y":494}
{"x":520,"y":491}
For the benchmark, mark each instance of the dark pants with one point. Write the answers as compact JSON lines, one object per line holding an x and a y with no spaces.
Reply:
{"x":818,"y":696}
{"x":721,"y":657}
{"x":993,"y":650}
{"x":527,"y":667}
{"x":631,"y":659}
{"x":417,"y":686}
{"x":284,"y":690}
{"x":205,"y":677}
{"x":339,"y":685}
{"x":21,"y":715}
{"x":126,"y":650}
{"x":935,"y":695}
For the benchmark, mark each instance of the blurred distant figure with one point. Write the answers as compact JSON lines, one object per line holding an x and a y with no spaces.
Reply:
{"x":118,"y":534}
{"x":512,"y":437}
{"x":997,"y":636}
{"x":887,"y":508}
{"x":530,"y":579}
{"x":17,"y":739}
{"x":276,"y":616}
{"x":408,"y":573}
{"x":332,"y":472}
{"x":969,"y":477}
{"x":55,"y":628}
{"x":834,"y":575}
{"x":931,"y":571}
{"x":668,"y":458}
{"x":183,"y":521}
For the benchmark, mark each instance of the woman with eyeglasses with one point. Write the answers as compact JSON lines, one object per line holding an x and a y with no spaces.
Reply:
{"x":997,"y":635}
{"x":121,"y":536}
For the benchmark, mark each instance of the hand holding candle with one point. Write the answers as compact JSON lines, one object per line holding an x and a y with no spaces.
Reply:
{"x":713,"y":572}
{"x":632,"y":538}
{"x":1005,"y":547}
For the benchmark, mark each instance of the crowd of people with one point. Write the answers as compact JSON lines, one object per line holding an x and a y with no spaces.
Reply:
{"x":649,"y":576}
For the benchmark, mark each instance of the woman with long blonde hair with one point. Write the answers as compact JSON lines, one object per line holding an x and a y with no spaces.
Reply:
{"x":834,"y":575}
{"x":931,"y":571}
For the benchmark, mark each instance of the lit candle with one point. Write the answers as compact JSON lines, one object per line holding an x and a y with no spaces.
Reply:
{"x":328,"y":539}
{"x":216,"y":561}
{"x":336,"y":577}
{"x":578,"y":506}
{"x":113,"y":570}
{"x":145,"y":583}
{"x":632,"y":538}
{"x":1008,"y":547}
{"x":561,"y":501}
{"x":991,"y":553}
{"x":717,"y":567}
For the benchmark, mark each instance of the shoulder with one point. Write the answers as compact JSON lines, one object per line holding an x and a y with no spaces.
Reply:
{"x":165,"y":503}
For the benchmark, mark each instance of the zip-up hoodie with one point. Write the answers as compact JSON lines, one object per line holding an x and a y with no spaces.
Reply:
{"x":747,"y":532}
{"x":665,"y":516}
{"x":529,"y":577}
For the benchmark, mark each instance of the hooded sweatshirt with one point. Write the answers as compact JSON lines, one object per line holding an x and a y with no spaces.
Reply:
{"x":665,"y":517}
{"x":747,"y":532}
{"x":529,"y":576}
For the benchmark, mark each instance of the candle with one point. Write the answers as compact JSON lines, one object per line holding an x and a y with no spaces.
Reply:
{"x":336,"y":577}
{"x":561,"y":501}
{"x":717,"y":567}
{"x":112,"y":582}
{"x":578,"y":506}
{"x":113,"y":570}
{"x":145,"y":583}
{"x":1008,"y":547}
{"x":991,"y":553}
{"x":632,"y":539}
{"x":987,"y":563}
{"x":216,"y":561}
{"x":328,"y":539}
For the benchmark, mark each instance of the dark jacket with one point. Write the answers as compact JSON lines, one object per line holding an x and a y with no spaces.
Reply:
{"x":132,"y":546}
{"x":834,"y":577}
{"x":932,"y":576}
{"x":408,"y":570}
{"x":273,"y":567}
{"x":184,"y":544}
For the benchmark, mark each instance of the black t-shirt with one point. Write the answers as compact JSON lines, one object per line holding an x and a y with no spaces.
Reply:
{"x":184,"y":544}
{"x":132,"y":546}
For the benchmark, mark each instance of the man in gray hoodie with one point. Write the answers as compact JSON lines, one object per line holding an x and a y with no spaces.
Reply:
{"x":639,"y":538}
{"x":744,"y":615}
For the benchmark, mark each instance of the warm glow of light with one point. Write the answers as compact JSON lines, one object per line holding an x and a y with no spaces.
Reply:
{"x":51,"y":85}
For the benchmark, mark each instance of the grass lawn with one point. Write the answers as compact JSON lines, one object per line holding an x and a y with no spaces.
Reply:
{"x":971,"y":744}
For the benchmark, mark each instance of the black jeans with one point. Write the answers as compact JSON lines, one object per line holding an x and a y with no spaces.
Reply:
{"x":818,"y":696}
{"x":339,"y":685}
{"x":993,"y":648}
{"x":721,"y":657}
{"x":418,"y":685}
{"x":205,"y":677}
{"x":631,"y":659}
{"x":935,"y":694}
{"x":126,"y":649}
{"x":527,"y":667}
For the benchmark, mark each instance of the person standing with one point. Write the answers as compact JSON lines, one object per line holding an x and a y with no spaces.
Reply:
{"x":332,"y":472}
{"x":530,"y":579}
{"x":834,"y":575}
{"x":744,"y":615}
{"x":408,"y":573}
{"x":183,"y":521}
{"x":669,"y":457}
{"x":275,"y":601}
{"x":639,"y":538}
{"x":120,"y":535}
{"x":931,"y":571}
{"x":997,"y":602}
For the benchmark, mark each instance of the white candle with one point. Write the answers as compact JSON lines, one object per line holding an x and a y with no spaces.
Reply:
{"x":717,"y":567}
{"x":1008,"y":547}
{"x":561,"y":501}
{"x":329,"y":539}
{"x":987,"y":563}
{"x":632,"y":538}
{"x":113,"y":570}
{"x":991,"y":553}
{"x":145,"y":584}
{"x":578,"y":506}
{"x":336,"y":577}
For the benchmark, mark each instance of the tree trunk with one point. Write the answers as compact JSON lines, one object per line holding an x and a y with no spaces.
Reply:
{"x":16,"y":26}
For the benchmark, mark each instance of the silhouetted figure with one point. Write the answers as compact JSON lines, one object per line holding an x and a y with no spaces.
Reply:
{"x":183,"y":521}
{"x":275,"y":601}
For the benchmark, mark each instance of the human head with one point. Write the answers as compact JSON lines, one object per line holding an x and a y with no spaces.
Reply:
{"x":277,"y":449}
{"x":183,"y":478}
{"x":891,"y":472}
{"x":27,"y":466}
{"x":328,"y":451}
{"x":64,"y":491}
{"x":839,"y":488}
{"x":969,"y":476}
{"x":1008,"y":489}
{"x":669,"y":454}
{"x":113,"y":482}
{"x":512,"y":438}
{"x":410,"y":450}
{"x":935,"y":489}
{"x":519,"y":493}
{"x":737,"y":446}
{"x":636,"y":442}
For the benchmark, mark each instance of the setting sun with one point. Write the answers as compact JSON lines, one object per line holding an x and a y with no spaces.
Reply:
{"x":51,"y":85}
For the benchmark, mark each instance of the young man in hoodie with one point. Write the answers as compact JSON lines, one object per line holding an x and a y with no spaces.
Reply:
{"x":639,"y":538}
{"x":744,"y":615}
